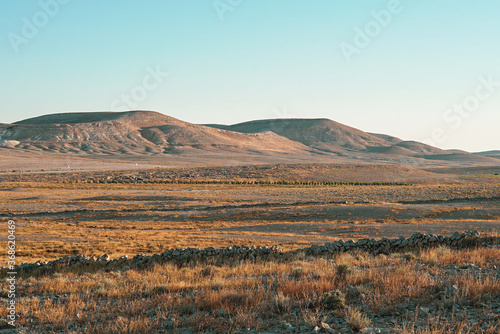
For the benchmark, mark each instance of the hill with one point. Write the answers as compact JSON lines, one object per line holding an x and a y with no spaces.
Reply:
{"x":493,"y":154}
{"x":323,"y":134}
{"x":151,"y":137}
{"x":134,"y":132}
{"x":333,"y":137}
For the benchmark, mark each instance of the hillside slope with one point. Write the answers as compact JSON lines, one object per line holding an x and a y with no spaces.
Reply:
{"x":323,"y":134}
{"x":333,"y":137}
{"x":135,"y":132}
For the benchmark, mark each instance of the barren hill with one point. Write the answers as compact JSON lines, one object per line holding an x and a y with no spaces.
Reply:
{"x":134,"y":132}
{"x":493,"y":154}
{"x":322,"y":133}
{"x":330,"y":136}
{"x":151,"y":137}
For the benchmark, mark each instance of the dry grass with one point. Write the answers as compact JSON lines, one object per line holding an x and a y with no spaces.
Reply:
{"x":262,"y":295}
{"x":60,"y":219}
{"x":357,"y":320}
{"x":437,"y":325}
{"x":225,"y":296}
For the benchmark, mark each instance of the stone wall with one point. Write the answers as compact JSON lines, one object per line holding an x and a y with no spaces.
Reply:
{"x":244,"y":253}
{"x":385,"y":245}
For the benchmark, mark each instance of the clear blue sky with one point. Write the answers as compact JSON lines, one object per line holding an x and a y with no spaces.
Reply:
{"x":231,"y":61}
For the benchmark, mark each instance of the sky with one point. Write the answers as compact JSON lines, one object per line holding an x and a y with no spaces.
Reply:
{"x":415,"y":69}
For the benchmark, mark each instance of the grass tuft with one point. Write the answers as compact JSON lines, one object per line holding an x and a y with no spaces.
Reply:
{"x":333,"y":300}
{"x":356,"y":320}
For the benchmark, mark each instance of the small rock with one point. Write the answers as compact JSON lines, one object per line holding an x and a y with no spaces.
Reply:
{"x":324,"y":325}
{"x":289,"y":327}
{"x":424,"y":309}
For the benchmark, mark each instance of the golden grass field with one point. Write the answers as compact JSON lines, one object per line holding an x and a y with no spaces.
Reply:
{"x":439,"y":290}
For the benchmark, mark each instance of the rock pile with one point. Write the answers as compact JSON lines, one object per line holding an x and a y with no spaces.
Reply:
{"x":239,"y":253}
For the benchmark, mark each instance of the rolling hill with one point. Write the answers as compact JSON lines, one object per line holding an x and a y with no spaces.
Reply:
{"x":330,"y":136}
{"x":134,"y":132}
{"x":323,"y":134}
{"x":151,"y":134}
{"x":493,"y":154}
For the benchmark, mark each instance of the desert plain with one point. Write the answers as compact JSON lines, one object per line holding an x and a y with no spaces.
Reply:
{"x":97,"y":223}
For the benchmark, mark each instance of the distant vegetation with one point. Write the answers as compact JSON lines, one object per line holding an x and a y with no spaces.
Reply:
{"x":258,"y":182}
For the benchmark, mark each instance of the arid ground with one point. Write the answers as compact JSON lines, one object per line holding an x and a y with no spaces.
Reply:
{"x":292,"y":206}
